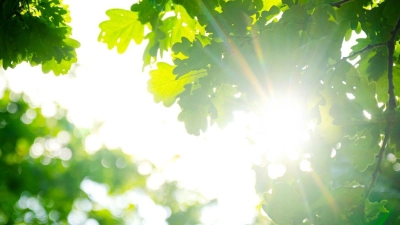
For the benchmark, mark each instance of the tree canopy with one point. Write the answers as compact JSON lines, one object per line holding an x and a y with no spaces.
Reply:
{"x":230,"y":56}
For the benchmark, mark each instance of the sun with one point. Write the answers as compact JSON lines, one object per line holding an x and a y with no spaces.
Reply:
{"x":281,"y":130}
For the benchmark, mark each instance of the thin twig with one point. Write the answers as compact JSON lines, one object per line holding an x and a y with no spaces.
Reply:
{"x":390,"y":118}
{"x":369,"y":47}
{"x":340,"y":3}
{"x":365,"y":49}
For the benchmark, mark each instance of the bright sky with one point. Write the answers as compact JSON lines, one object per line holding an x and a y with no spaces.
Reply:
{"x":111,"y":88}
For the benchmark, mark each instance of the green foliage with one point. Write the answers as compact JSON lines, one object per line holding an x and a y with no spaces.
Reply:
{"x":234,"y":56}
{"x":36,"y":32}
{"x":250,"y":51}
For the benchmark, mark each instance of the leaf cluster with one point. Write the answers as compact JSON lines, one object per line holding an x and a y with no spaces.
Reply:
{"x":36,"y":32}
{"x":236,"y":55}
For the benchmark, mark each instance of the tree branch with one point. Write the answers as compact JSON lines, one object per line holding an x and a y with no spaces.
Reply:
{"x":369,"y":47}
{"x":390,"y":116}
{"x":340,"y":3}
{"x":380,"y":158}
{"x":365,"y":49}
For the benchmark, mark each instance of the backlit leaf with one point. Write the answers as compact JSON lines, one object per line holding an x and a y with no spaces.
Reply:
{"x":122,"y":27}
{"x":164,"y":85}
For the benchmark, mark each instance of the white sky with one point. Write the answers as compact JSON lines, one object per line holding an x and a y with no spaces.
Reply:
{"x":111,"y":88}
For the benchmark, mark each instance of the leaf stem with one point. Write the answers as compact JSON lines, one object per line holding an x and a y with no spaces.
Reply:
{"x":340,"y":3}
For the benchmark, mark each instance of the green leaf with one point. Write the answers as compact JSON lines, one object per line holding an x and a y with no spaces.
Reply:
{"x":195,"y":110}
{"x":268,"y":4}
{"x":284,"y":205}
{"x":177,"y":27}
{"x":331,"y":133}
{"x":58,"y":68}
{"x":225,"y":103}
{"x":373,"y":209}
{"x":122,"y":27}
{"x":164,"y":85}
{"x":363,"y":149}
{"x":65,"y":65}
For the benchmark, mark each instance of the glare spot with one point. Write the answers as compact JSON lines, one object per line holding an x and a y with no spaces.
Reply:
{"x":84,"y":205}
{"x":29,"y":217}
{"x":333,"y":153}
{"x":105,"y":163}
{"x":37,"y":149}
{"x":12,"y":108}
{"x":25,"y":119}
{"x":391,"y":158}
{"x":155,"y":181}
{"x":63,"y":137}
{"x":65,"y":154}
{"x":49,"y":109}
{"x":93,"y":143}
{"x":33,"y":204}
{"x":396,"y":166}
{"x":31,"y":114}
{"x":51,"y":122}
{"x":22,"y":202}
{"x":76,"y":217}
{"x":15,"y":97}
{"x":45,"y":160}
{"x":367,"y":114}
{"x":276,"y":170}
{"x":120,"y":163}
{"x":52,"y":144}
{"x":305,"y":165}
{"x":54,"y":215}
{"x":145,"y":168}
{"x":350,"y":96}
{"x":91,"y":222}
{"x":293,"y":154}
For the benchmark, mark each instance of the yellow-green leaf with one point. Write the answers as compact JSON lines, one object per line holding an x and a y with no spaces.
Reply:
{"x":122,"y":27}
{"x":164,"y":85}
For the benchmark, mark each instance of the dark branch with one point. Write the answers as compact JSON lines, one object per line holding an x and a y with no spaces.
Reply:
{"x":390,"y":118}
{"x":340,"y":3}
{"x":369,"y":47}
{"x":378,"y":165}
